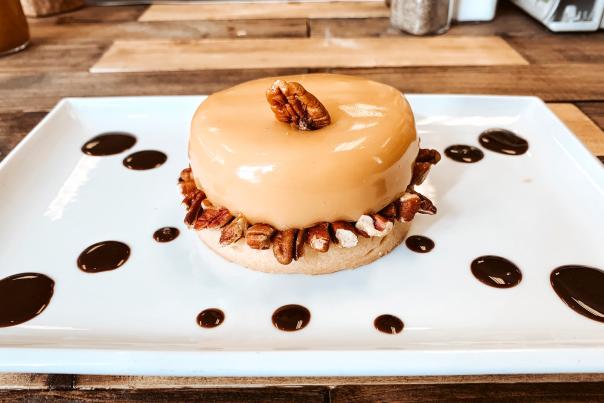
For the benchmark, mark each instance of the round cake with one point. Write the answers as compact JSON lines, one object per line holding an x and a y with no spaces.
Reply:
{"x":304,"y":174}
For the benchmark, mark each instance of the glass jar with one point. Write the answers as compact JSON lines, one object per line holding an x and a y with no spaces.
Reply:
{"x":14,"y":31}
{"x":421,"y":17}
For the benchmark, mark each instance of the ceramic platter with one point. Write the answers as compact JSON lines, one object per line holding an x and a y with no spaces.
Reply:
{"x":540,"y":210}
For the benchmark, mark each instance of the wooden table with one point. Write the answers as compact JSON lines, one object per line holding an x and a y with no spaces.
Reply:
{"x":520,"y":57}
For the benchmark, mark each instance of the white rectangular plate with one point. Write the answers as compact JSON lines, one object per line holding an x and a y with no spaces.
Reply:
{"x":541,"y":210}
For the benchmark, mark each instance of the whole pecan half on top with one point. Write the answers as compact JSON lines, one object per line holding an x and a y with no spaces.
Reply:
{"x":292,"y":104}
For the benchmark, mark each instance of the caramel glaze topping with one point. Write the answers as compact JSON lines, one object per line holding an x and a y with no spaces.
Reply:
{"x":359,"y":158}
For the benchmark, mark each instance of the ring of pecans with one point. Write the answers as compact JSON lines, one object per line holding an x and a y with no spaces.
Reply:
{"x":289,"y":245}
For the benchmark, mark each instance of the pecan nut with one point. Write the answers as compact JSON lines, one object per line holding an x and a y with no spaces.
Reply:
{"x":186,"y":182}
{"x":299,"y":244}
{"x":284,"y":245}
{"x":420,"y":172}
{"x":409,"y":205}
{"x":186,"y":175}
{"x":213,"y":218}
{"x":381,"y":223}
{"x":318,"y":237}
{"x":234,"y":231}
{"x":191,"y":196}
{"x":194,"y":208}
{"x":389,"y":212}
{"x":345,"y":234}
{"x":428,"y":155}
{"x":425,"y":206}
{"x":292,"y":104}
{"x":374,"y":225}
{"x":258,"y":236}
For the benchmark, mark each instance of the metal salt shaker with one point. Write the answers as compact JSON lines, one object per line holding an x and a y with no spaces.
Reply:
{"x":421,"y":17}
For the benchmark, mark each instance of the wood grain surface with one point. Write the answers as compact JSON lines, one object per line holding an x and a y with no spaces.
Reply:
{"x":132,"y":56}
{"x":268,"y":10}
{"x":586,"y":130}
{"x":566,"y":70}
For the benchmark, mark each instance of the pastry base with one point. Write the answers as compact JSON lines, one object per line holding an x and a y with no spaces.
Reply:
{"x":313,"y":262}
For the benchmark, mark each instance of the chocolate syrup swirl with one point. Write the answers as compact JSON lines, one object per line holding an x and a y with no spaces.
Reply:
{"x":143,"y":160}
{"x":24,"y":296}
{"x":581,"y":288}
{"x":103,"y":256}
{"x":388,"y":324}
{"x":109,"y":143}
{"x":291,"y":318}
{"x":496,"y":271}
{"x":210,"y":318}
{"x":166,"y":234}
{"x":464,"y":153}
{"x":419,"y":243}
{"x":503,"y":141}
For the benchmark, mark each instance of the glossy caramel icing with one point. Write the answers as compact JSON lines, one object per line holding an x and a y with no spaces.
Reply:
{"x":247,"y":161}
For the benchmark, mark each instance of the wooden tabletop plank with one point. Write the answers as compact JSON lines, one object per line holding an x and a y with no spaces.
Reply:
{"x":41,"y":91}
{"x":92,"y":14}
{"x":484,"y":392}
{"x":132,"y":56}
{"x":254,"y":10}
{"x":13,"y":128}
{"x":595,"y":111}
{"x":23,"y":381}
{"x":567,"y":48}
{"x":97,"y":33}
{"x":309,"y":394}
{"x":158,"y":382}
{"x":587,"y":131}
{"x":550,"y":82}
{"x":60,"y":56}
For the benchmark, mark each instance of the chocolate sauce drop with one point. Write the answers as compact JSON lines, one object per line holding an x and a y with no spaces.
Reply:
{"x":581,"y":288}
{"x":291,"y":318}
{"x":388,"y":324}
{"x":210,"y":318}
{"x":419,"y":243}
{"x":503,"y":141}
{"x":143,"y":160}
{"x":109,"y":143}
{"x":464,"y":153}
{"x":496,"y":271}
{"x":24,"y":296}
{"x":103,"y":256}
{"x":166,"y":234}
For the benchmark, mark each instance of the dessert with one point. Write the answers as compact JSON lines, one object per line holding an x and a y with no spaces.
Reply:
{"x":304,"y":174}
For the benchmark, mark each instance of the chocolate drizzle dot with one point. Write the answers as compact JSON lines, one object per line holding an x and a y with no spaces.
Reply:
{"x":146,"y":159}
{"x":103,"y":256}
{"x":24,"y":296}
{"x":109,"y":143}
{"x":210,"y":318}
{"x":503,"y":141}
{"x":581,"y":288}
{"x":388,"y":324}
{"x":464,"y":153}
{"x":290,"y":318}
{"x":496,"y":271}
{"x":166,"y":234}
{"x":419,"y":243}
